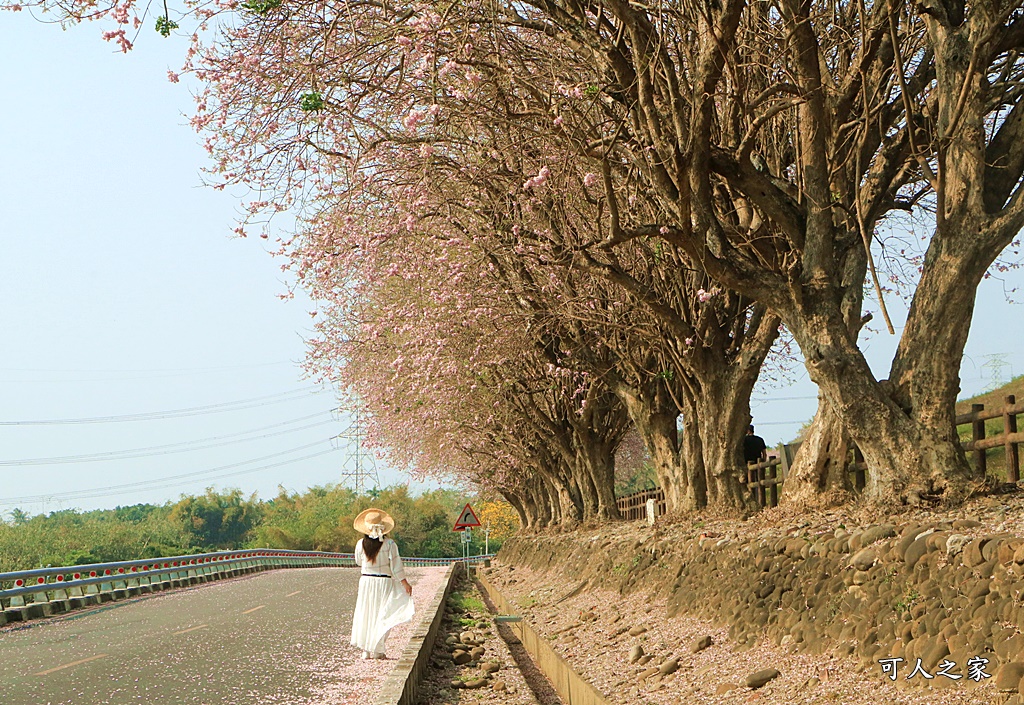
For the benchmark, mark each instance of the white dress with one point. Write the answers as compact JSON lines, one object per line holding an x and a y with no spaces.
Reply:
{"x":382,"y":602}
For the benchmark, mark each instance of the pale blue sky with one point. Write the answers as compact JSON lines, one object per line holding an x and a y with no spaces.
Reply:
{"x":123,"y":291}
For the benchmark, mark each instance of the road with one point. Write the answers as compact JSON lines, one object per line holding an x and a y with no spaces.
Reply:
{"x":255,"y":639}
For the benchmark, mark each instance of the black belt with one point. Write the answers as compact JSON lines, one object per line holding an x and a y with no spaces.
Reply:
{"x":375,"y":575}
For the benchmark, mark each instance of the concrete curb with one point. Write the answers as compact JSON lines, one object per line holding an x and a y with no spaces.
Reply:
{"x":402,"y":685}
{"x":572,"y":688}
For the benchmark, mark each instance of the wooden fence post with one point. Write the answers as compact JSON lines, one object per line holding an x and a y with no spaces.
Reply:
{"x":978,"y":434}
{"x":1011,"y":457}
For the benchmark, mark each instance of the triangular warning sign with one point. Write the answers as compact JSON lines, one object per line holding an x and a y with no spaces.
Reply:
{"x":466,"y":519}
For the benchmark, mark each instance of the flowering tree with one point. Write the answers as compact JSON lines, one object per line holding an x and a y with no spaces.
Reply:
{"x":764,"y":147}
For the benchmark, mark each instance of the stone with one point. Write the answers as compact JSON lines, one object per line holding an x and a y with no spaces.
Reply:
{"x":955,"y":544}
{"x":647,"y":674}
{"x":456,"y":683}
{"x":864,"y":559}
{"x":701,"y":644}
{"x":972,"y":555}
{"x":1008,"y":677}
{"x":961,"y":524}
{"x":490,"y":667}
{"x":475,"y":683}
{"x":670,"y":666}
{"x":916,"y":551}
{"x":461,"y":657}
{"x":498,"y":686}
{"x":467,"y":638}
{"x":637,"y":630}
{"x":643,"y":660}
{"x":759,"y":678}
{"x":724,"y":688}
{"x":635,"y":653}
{"x":877,"y":533}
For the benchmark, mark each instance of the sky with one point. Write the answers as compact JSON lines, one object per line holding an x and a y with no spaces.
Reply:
{"x":124,"y":293}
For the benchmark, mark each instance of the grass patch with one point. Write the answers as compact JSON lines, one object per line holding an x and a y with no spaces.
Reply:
{"x":466,"y":603}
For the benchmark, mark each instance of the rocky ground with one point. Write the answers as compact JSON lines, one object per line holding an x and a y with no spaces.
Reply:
{"x":477,"y":661}
{"x":784,"y":607}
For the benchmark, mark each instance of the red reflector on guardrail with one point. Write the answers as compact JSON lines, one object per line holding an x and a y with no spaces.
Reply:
{"x":40,"y":581}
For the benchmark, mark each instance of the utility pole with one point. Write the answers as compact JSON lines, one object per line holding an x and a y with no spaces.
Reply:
{"x":996,"y":362}
{"x":359,"y":468}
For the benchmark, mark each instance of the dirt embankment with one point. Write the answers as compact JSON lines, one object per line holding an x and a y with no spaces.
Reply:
{"x":945,"y":588}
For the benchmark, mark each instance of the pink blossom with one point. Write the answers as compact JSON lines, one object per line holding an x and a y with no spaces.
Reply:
{"x":413,"y":119}
{"x":15,"y":8}
{"x":171,"y":76}
{"x":539,"y":180}
{"x":663,"y":230}
{"x":426,"y":150}
{"x":689,"y":341}
{"x":589,"y":179}
{"x":559,"y":121}
{"x":122,"y":39}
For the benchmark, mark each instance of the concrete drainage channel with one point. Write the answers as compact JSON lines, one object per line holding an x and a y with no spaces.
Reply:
{"x":402,"y":686}
{"x":405,"y":684}
{"x":571,"y":687}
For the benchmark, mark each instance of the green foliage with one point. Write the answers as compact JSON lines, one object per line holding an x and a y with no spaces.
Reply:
{"x":165,"y":26}
{"x":465,"y":603}
{"x":311,"y":101}
{"x":644,"y":478}
{"x":217,"y":521}
{"x":318,"y":520}
{"x":261,"y":7}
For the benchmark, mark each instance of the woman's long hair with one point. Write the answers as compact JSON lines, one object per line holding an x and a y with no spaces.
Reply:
{"x":371,"y":547}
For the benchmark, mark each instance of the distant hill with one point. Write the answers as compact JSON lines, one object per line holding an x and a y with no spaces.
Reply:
{"x":993,"y":427}
{"x":994,"y":398}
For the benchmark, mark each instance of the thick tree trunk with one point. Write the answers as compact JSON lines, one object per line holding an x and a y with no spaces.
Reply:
{"x":723,"y":411}
{"x":905,"y":457}
{"x":692,"y":462}
{"x":599,"y":461}
{"x":567,"y":499}
{"x":680,"y":472}
{"x":819,"y":468}
{"x":517,"y":504}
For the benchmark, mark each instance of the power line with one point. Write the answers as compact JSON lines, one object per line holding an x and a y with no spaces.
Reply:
{"x":180,"y":447}
{"x":161,"y":482}
{"x":239,"y":405}
{"x":100,"y":375}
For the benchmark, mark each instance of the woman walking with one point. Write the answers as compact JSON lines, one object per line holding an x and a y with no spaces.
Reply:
{"x":381,"y":604}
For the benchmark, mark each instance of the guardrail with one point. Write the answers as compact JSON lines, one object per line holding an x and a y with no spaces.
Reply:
{"x":42,"y":592}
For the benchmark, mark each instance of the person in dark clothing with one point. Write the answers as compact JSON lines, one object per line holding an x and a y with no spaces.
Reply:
{"x":754,"y":449}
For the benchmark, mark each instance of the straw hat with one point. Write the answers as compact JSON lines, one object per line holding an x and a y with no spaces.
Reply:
{"x":369,"y":518}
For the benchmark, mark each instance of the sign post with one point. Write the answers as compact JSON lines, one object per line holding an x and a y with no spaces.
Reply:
{"x":467,"y":520}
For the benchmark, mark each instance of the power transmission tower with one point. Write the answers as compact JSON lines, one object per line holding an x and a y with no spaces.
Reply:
{"x":359,"y":468}
{"x":996,"y":363}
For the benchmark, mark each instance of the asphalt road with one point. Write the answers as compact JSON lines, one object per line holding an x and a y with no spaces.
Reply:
{"x":247,"y":640}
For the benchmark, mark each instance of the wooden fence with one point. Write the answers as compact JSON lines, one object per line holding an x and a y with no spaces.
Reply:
{"x":633,"y":507}
{"x":1008,"y":439}
{"x":765,"y":479}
